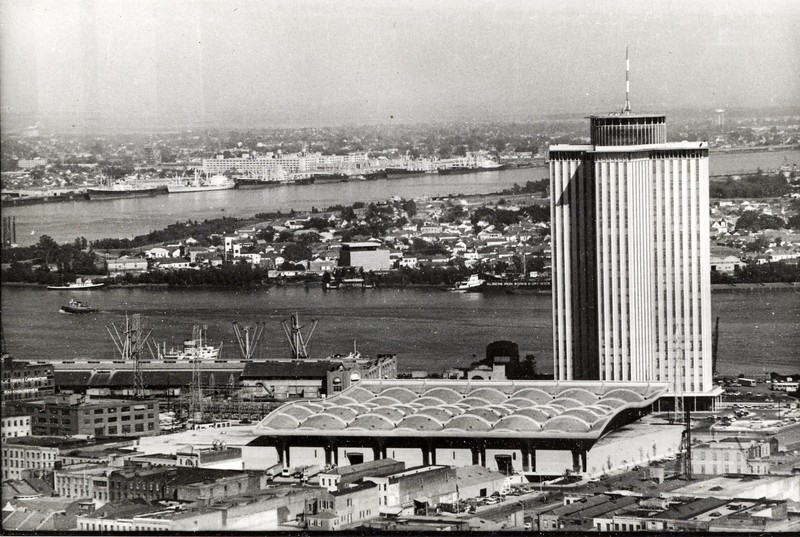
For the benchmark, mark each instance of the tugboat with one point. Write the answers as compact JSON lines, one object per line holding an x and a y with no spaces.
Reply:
{"x":471,"y":284}
{"x":76,"y":306}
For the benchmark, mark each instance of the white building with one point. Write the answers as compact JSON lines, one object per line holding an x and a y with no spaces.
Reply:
{"x":630,"y":241}
{"x":13,"y":426}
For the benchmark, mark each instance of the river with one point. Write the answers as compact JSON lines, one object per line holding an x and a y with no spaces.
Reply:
{"x":130,"y":217}
{"x":428,"y":329}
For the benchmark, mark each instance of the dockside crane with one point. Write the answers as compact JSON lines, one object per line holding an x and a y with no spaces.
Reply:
{"x":248,"y":337}
{"x":294,"y":333}
{"x":129,"y":343}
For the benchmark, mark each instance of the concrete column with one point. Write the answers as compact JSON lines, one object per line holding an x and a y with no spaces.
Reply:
{"x":482,"y":456}
{"x":576,"y":462}
{"x":328,"y":455}
{"x":526,"y":459}
{"x":533,"y":460}
{"x":426,"y":456}
{"x":475,"y":455}
{"x":582,"y":456}
{"x":432,"y":451}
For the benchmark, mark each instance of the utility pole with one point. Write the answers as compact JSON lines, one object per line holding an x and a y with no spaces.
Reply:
{"x":196,"y":396}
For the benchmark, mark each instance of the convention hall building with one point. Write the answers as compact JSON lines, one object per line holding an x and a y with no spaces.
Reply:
{"x":542,"y":428}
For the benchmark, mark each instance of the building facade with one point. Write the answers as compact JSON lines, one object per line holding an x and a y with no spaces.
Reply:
{"x":13,"y":426}
{"x":630,"y":256}
{"x":731,"y":456}
{"x":366,"y":255}
{"x":24,"y":381}
{"x":81,"y":415}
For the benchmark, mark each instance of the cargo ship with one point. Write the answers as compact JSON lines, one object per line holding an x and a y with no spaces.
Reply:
{"x":112,"y":190}
{"x":77,"y":285}
{"x":200,"y":184}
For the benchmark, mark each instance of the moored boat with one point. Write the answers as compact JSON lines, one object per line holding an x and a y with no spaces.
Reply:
{"x":76,"y":307}
{"x":77,"y":285}
{"x":198,"y":184}
{"x":109,"y":190}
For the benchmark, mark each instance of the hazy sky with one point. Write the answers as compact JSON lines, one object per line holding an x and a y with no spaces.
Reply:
{"x":173,"y":63}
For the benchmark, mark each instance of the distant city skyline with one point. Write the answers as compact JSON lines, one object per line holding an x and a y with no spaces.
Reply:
{"x":112,"y":65}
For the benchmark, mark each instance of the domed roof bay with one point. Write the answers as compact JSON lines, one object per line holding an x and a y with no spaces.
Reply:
{"x":469,"y":423}
{"x":567,"y":424}
{"x":582,"y":413}
{"x":492,"y":395}
{"x":580,"y":394}
{"x":536,"y":414}
{"x":281,"y":421}
{"x":475,"y":402}
{"x":624,"y":394}
{"x":486,"y":413}
{"x":518,"y":423}
{"x":344,"y":400}
{"x":392,"y":413}
{"x":384,"y":401}
{"x":420,"y":423}
{"x":300,"y":410}
{"x":427,"y":401}
{"x":448,"y":395}
{"x":372,"y":421}
{"x":404,"y":395}
{"x":343,"y":412}
{"x":324,"y":421}
{"x":439,"y":413}
{"x":566,"y":402}
{"x":534,"y":394}
{"x":360,"y":394}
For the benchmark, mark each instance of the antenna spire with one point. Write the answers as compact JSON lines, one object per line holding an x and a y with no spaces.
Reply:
{"x":627,"y":109}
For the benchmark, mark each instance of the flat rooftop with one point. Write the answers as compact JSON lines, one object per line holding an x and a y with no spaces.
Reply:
{"x":458,"y":408}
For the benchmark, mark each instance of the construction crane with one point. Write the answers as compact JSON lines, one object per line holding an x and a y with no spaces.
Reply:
{"x":294,"y":333}
{"x":129,"y":343}
{"x":248,"y":337}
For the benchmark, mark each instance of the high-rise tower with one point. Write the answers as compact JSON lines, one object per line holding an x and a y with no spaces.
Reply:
{"x":630,"y":247}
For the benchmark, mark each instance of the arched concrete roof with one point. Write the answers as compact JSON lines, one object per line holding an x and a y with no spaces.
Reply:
{"x":493,"y":395}
{"x":324,"y":422}
{"x":518,"y":423}
{"x":372,"y":421}
{"x":448,"y":395}
{"x":420,"y":423}
{"x":403,"y":395}
{"x":463,"y":408}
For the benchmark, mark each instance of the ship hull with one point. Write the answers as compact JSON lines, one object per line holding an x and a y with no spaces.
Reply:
{"x":101,"y":194}
{"x":85,"y":287}
{"x":181,"y":189}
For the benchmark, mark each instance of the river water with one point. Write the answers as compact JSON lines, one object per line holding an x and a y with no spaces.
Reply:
{"x":427,"y":328}
{"x":130,"y":217}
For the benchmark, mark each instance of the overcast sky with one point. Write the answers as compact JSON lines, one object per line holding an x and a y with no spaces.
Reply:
{"x":176,"y":63}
